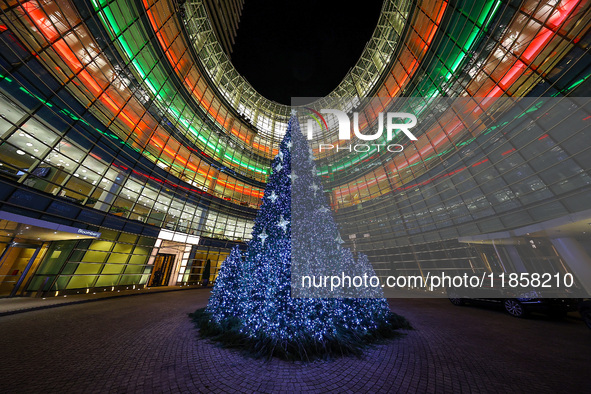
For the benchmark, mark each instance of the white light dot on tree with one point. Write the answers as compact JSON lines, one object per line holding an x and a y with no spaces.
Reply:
{"x":263,"y":236}
{"x":323,"y":209}
{"x":283,"y":223}
{"x":273,"y":197}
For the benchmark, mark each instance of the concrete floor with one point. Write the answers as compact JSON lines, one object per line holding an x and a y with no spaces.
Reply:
{"x":148,"y":344}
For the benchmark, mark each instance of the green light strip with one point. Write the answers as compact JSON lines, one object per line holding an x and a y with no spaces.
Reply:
{"x":169,"y":104}
{"x":485,"y":16}
{"x":5,"y":77}
{"x":35,"y":96}
{"x":574,"y":85}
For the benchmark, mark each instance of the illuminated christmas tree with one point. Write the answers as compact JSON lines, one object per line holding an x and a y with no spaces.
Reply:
{"x":257,"y":302}
{"x":228,"y":293}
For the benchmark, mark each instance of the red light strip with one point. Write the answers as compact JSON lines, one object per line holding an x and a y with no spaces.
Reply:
{"x":50,"y":33}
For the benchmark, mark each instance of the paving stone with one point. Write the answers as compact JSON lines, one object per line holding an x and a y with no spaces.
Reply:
{"x":147,"y":344}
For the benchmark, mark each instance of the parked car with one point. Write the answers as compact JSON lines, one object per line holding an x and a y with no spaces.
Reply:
{"x":585,"y":311}
{"x":518,"y":304}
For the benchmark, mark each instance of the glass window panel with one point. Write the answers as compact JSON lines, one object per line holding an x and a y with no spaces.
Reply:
{"x":107,"y":280}
{"x":82,"y":281}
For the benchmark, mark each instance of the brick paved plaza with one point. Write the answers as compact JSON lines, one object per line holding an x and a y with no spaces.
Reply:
{"x":148,"y":344}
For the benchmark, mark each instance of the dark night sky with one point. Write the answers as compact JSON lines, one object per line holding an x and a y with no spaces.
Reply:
{"x":301,"y":48}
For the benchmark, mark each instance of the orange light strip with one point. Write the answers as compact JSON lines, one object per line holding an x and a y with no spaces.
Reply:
{"x":50,"y":33}
{"x":190,"y":81}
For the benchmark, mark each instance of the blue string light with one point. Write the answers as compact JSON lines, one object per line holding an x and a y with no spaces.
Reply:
{"x":253,"y":292}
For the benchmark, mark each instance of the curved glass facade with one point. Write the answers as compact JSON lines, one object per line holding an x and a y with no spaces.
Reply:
{"x":125,"y":119}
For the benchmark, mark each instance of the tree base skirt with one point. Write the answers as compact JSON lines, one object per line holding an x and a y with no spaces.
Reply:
{"x":302,"y":348}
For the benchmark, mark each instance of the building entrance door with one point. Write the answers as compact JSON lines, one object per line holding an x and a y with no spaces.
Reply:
{"x":162,"y":269}
{"x":15,"y":262}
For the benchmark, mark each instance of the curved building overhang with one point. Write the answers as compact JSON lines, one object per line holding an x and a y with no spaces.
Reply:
{"x":162,"y":87}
